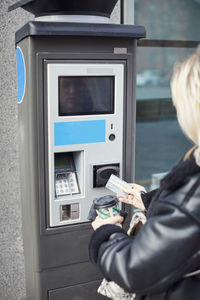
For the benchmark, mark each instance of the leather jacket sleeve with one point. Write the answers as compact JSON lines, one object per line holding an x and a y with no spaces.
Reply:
{"x":164,"y":250}
{"x":147,"y":197}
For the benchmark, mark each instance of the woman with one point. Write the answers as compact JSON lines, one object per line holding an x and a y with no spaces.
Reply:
{"x":162,"y":262}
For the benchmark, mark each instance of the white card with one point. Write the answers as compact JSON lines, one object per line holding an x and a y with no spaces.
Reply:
{"x":116,"y":185}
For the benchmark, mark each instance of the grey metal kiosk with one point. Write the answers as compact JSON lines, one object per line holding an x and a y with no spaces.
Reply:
{"x":76,"y":95}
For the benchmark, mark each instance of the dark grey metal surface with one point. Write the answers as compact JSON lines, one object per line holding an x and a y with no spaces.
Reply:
{"x":82,"y":291}
{"x":33,"y":28}
{"x":19,"y":3}
{"x":54,"y":259}
{"x":52,"y":7}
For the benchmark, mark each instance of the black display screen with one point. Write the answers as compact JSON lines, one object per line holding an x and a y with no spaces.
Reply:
{"x":86,"y":95}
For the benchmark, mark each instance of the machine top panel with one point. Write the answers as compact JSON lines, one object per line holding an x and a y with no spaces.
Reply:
{"x":49,"y":7}
{"x":35,"y":28}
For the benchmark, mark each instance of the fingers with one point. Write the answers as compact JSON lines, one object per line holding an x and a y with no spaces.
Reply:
{"x":128,"y":200}
{"x":133,"y":200}
{"x":139,"y":204}
{"x":95,"y":223}
{"x":116,"y":220}
{"x":133,"y":192}
{"x":138,"y":187}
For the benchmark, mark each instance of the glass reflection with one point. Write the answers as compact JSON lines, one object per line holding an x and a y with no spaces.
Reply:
{"x":85,"y":95}
{"x":169,"y":20}
{"x":159,"y":139}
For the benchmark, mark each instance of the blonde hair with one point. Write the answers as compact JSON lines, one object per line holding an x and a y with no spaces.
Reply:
{"x":185,"y":86}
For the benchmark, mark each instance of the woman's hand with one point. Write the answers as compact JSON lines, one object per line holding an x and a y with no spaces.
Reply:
{"x":117,"y":220}
{"x":134,"y":196}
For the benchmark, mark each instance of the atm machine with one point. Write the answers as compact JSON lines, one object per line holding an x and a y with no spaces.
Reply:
{"x":76,"y":104}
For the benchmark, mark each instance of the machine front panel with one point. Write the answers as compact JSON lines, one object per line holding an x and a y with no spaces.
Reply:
{"x":85,"y":135}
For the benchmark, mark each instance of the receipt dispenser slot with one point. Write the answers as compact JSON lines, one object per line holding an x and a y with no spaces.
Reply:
{"x":70,"y":212}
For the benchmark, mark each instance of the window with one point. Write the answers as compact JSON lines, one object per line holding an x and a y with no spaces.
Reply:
{"x":171,"y":37}
{"x":169,"y":20}
{"x":164,"y":20}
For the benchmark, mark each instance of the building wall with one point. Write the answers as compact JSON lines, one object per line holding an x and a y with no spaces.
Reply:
{"x":12,"y":278}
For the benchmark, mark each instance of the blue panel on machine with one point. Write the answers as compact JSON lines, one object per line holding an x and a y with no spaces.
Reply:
{"x":21,"y":75}
{"x":80,"y":132}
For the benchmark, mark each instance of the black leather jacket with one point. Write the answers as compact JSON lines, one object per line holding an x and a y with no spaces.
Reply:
{"x":154,"y":263}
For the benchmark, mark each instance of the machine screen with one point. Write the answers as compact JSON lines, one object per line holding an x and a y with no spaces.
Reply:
{"x":63,"y":161}
{"x":86,"y":95}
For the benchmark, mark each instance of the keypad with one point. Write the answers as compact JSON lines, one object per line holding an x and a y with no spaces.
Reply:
{"x":66,"y":184}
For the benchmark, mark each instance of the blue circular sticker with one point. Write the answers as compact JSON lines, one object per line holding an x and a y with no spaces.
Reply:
{"x":21,"y":75}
